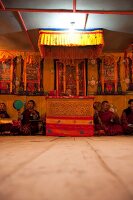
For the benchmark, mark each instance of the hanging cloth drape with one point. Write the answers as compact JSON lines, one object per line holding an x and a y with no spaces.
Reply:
{"x":85,"y":43}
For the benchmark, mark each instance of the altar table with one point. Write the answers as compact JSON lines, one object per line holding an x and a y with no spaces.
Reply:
{"x":69,"y":116}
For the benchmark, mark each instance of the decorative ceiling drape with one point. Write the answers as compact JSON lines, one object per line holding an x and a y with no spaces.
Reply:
{"x":28,"y":56}
{"x":65,"y":44}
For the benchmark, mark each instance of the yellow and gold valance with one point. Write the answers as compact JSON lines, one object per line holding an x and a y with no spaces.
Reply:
{"x":68,"y":38}
{"x":65,"y":38}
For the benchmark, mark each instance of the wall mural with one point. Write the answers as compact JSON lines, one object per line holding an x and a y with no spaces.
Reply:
{"x":109,"y":75}
{"x":128,"y":62}
{"x":31,"y":81}
{"x":32,"y":78}
{"x":8,"y":76}
{"x":21,"y":74}
{"x":70,"y":77}
{"x":108,"y":71}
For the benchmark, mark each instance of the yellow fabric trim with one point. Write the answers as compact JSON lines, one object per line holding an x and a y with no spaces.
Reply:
{"x":4,"y":54}
{"x":66,"y":38}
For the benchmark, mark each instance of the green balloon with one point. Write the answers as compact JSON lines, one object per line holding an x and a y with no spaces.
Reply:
{"x":18,"y":104}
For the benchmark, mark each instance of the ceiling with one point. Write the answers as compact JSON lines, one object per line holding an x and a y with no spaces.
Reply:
{"x":21,"y":20}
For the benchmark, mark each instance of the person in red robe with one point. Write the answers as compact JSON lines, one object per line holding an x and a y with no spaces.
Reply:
{"x":3,"y":111}
{"x":4,"y":128}
{"x":127,"y":118}
{"x":29,"y":119}
{"x":107,"y":122}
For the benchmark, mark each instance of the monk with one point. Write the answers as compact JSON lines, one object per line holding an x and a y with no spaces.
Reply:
{"x":107,"y":122}
{"x":127,"y":118}
{"x":29,"y":119}
{"x":3,"y":111}
{"x":4,"y":128}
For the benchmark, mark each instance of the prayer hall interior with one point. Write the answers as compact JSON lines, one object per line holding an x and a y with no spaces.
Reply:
{"x":63,"y":65}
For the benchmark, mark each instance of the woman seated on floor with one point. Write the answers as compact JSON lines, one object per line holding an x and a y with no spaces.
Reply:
{"x":4,"y":127}
{"x":29,"y":119}
{"x":127,"y":118}
{"x":106,"y":122}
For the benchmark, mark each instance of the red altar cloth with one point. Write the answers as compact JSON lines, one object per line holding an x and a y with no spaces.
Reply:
{"x":70,"y":126}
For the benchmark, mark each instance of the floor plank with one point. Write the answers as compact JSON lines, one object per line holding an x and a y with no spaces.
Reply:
{"x":63,"y":168}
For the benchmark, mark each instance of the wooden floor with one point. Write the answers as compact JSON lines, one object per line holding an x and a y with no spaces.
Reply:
{"x":66,"y":168}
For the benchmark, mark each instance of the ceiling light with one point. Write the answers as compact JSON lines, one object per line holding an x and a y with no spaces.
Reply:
{"x":72,"y":26}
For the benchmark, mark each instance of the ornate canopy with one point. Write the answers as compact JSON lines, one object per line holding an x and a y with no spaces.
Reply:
{"x":64,"y":44}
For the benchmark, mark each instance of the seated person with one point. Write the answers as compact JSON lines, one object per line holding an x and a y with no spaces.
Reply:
{"x":127,"y":118}
{"x":107,"y":122}
{"x":3,"y":111}
{"x":29,"y":123}
{"x":3,"y":115}
{"x":97,"y":108}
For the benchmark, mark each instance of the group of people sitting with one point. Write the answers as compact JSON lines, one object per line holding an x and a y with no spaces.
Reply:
{"x":29,"y":120}
{"x":107,"y":121}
